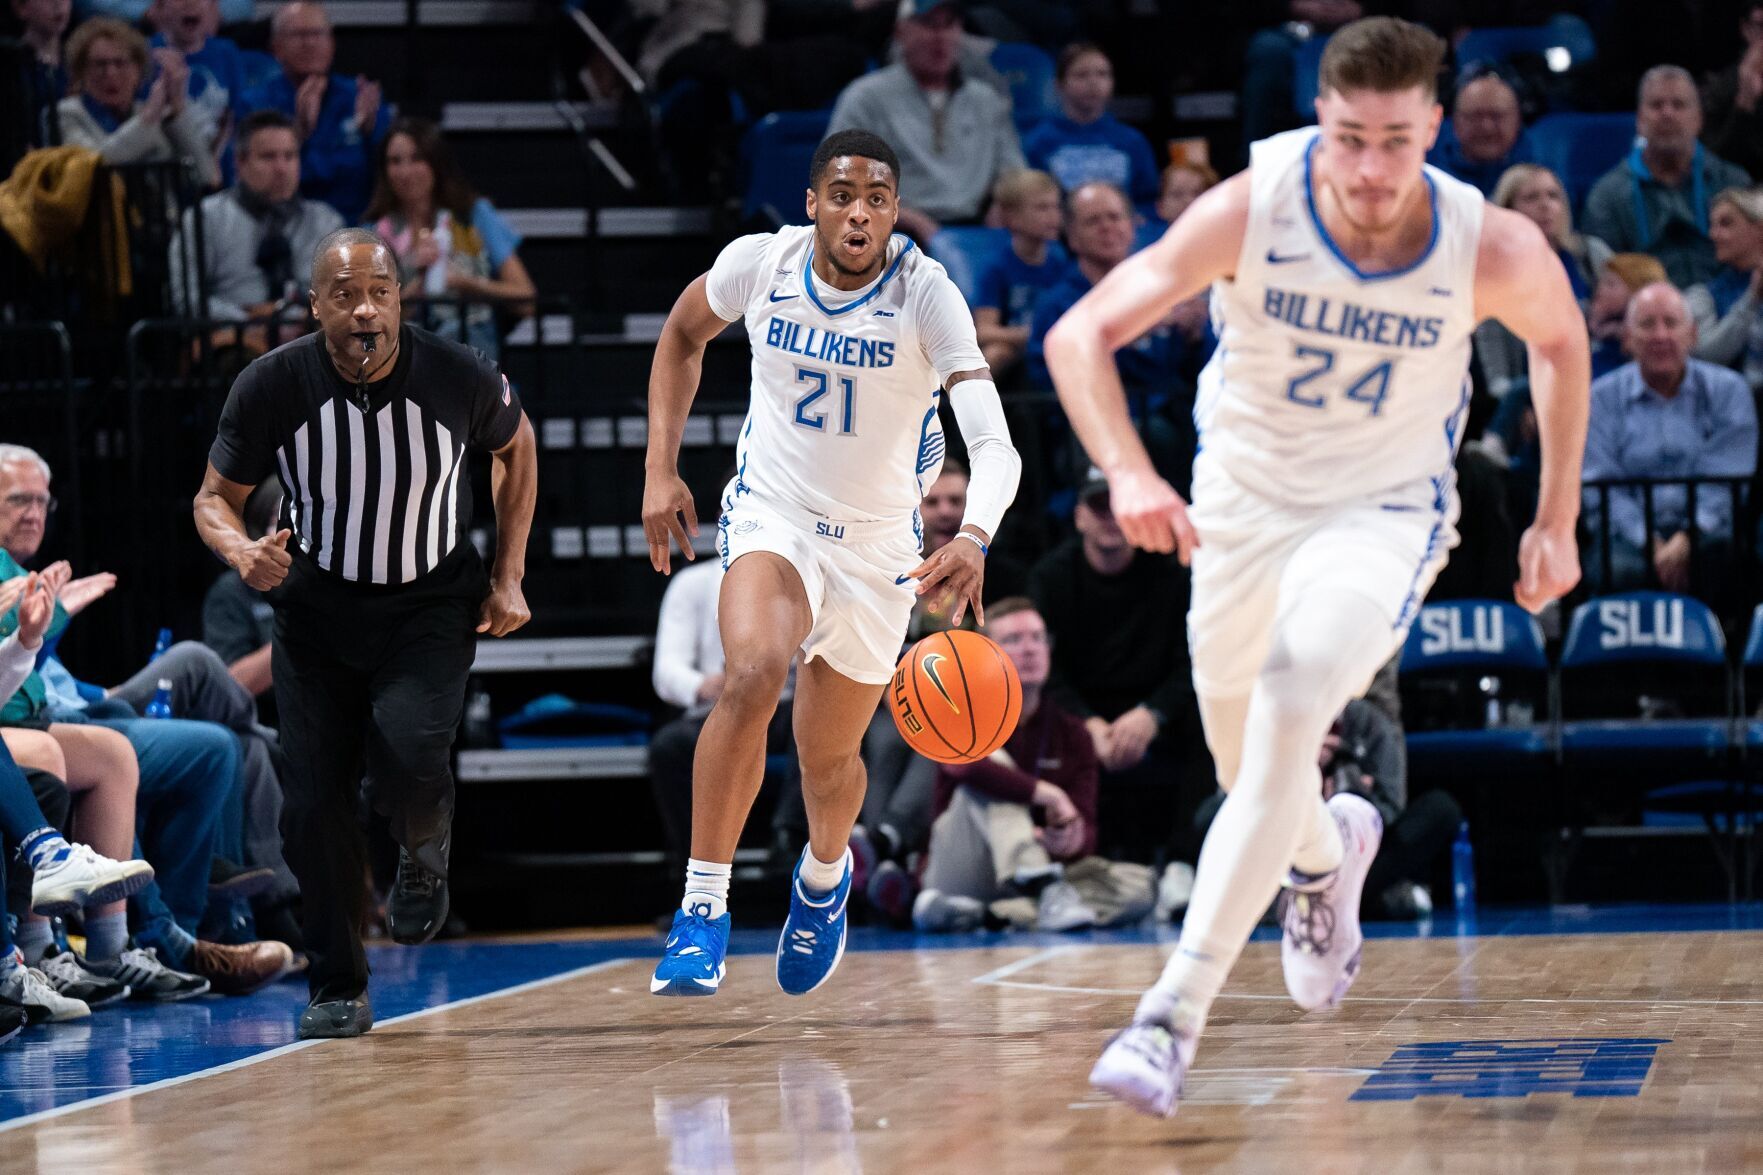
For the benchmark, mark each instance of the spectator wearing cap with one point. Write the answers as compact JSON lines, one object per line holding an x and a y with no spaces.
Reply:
{"x":1120,"y":663}
{"x":1084,"y":142}
{"x":953,"y":133}
{"x":1486,"y":134}
{"x":1658,"y":199}
{"x":108,"y":60}
{"x":1666,"y":415}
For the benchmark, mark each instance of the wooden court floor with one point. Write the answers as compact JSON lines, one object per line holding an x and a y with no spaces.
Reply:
{"x":1596,"y":1053}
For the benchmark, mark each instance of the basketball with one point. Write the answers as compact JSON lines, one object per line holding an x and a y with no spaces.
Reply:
{"x":955,"y":697}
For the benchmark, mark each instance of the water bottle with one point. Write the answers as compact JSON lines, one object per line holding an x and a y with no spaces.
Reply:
{"x":1490,"y":692}
{"x":160,"y":645}
{"x":479,"y":727}
{"x":160,"y":706}
{"x":1463,"y":871}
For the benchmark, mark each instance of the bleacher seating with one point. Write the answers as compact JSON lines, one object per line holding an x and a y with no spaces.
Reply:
{"x":965,"y":251}
{"x":1581,"y":147}
{"x":775,"y":155}
{"x":1029,"y":71}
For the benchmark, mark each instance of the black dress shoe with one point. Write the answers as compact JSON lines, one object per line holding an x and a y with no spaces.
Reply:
{"x":11,"y":1021}
{"x":417,"y":907}
{"x":228,"y":879}
{"x":336,"y":1018}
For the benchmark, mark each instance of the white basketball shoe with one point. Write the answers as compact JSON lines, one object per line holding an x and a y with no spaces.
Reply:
{"x":1322,"y":942}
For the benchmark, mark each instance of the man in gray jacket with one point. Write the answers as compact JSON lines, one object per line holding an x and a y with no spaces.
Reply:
{"x":257,"y":237}
{"x":953,"y":133}
{"x":1656,"y":200}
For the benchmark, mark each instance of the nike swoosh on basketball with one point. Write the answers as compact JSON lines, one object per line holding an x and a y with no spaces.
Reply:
{"x":936,"y":678}
{"x":1273,"y":257}
{"x":776,"y":297}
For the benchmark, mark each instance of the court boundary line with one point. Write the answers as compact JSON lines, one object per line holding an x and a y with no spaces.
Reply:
{"x":295,"y":1046}
{"x":1000,"y":977}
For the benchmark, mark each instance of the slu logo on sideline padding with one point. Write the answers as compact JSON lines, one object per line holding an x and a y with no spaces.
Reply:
{"x":1584,"y":1067}
{"x":931,"y":661}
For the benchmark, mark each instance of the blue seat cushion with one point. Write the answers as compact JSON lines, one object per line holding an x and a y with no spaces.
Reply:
{"x":1706,"y":736}
{"x":1517,"y":742}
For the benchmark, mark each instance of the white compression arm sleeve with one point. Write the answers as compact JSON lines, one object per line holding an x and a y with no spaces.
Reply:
{"x":995,"y":466}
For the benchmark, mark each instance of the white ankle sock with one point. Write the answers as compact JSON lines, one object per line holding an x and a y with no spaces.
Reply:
{"x":706,"y":888}
{"x":822,"y":877}
{"x":34,"y":940}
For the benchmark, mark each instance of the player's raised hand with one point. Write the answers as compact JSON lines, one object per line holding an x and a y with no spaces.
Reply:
{"x":264,"y":563}
{"x":668,"y":512}
{"x":957,"y":570}
{"x":1151,"y":514}
{"x":1548,"y":566}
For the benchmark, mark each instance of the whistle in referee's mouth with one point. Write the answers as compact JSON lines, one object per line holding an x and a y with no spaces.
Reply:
{"x":368,"y":340}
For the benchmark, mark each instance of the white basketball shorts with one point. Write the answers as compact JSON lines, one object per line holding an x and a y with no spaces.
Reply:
{"x":1258,"y":558}
{"x":853,"y":572}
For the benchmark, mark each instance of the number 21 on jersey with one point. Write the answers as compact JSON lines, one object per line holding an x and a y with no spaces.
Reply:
{"x":1367,"y":387}
{"x":820,"y":385}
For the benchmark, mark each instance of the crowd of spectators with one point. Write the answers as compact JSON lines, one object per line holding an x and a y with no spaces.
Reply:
{"x":1107,"y":778}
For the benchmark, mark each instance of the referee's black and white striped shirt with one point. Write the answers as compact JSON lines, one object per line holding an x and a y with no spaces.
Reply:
{"x":378,"y":496}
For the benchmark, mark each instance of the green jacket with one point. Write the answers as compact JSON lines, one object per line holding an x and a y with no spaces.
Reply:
{"x":32,"y":696}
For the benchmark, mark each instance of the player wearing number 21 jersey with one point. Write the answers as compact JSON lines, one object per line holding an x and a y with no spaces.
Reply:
{"x":856,"y":337}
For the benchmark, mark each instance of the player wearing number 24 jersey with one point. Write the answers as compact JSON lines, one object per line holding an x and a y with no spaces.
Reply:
{"x":1346,"y":278}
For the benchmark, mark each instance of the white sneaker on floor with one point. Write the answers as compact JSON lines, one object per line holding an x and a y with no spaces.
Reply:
{"x":1146,"y":1064}
{"x":1322,"y":942}
{"x":27,"y":988}
{"x":1063,"y":908}
{"x":1174,"y":889}
{"x":85,"y":878}
{"x":935,"y":912}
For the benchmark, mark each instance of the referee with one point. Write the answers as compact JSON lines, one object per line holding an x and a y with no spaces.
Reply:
{"x":367,"y":424}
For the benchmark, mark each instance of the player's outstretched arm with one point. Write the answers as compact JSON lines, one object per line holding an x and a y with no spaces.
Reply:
{"x":1519,"y":280}
{"x":1198,"y":249}
{"x":668,"y":511}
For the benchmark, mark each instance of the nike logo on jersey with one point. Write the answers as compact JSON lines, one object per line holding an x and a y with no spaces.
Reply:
{"x":931,"y":664}
{"x":1273,"y":257}
{"x":776,"y":297}
{"x":900,"y":579}
{"x":1439,"y":292}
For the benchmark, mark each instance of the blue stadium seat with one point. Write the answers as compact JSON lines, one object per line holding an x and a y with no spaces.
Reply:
{"x":1671,"y":649}
{"x":1503,"y":44}
{"x":1580,"y":148}
{"x":1029,"y":71}
{"x":966,"y":251}
{"x":775,"y":155}
{"x":1453,"y":643}
{"x":1306,"y":65}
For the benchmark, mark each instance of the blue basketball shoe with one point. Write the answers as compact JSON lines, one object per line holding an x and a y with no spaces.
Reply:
{"x":813,"y":940}
{"x":693,"y":962}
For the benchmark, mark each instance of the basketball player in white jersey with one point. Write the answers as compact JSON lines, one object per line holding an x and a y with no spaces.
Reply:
{"x":1346,"y":278}
{"x":856,"y":335}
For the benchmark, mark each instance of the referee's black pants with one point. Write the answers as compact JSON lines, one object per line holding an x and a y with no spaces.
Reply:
{"x":367,"y":679}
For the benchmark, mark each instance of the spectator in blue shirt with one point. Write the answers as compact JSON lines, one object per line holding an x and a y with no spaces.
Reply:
{"x":450,"y":241}
{"x":1099,"y":227}
{"x":1485,"y":134}
{"x":339,"y":121}
{"x":216,"y":83}
{"x":1666,"y":415}
{"x":1087,"y":144}
{"x":1029,"y":204}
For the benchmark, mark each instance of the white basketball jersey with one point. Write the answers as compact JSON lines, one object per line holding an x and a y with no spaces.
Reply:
{"x":1330,"y":384}
{"x":843,"y":421}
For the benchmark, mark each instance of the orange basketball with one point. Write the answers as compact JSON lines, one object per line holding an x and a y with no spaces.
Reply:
{"x":955,"y":696}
